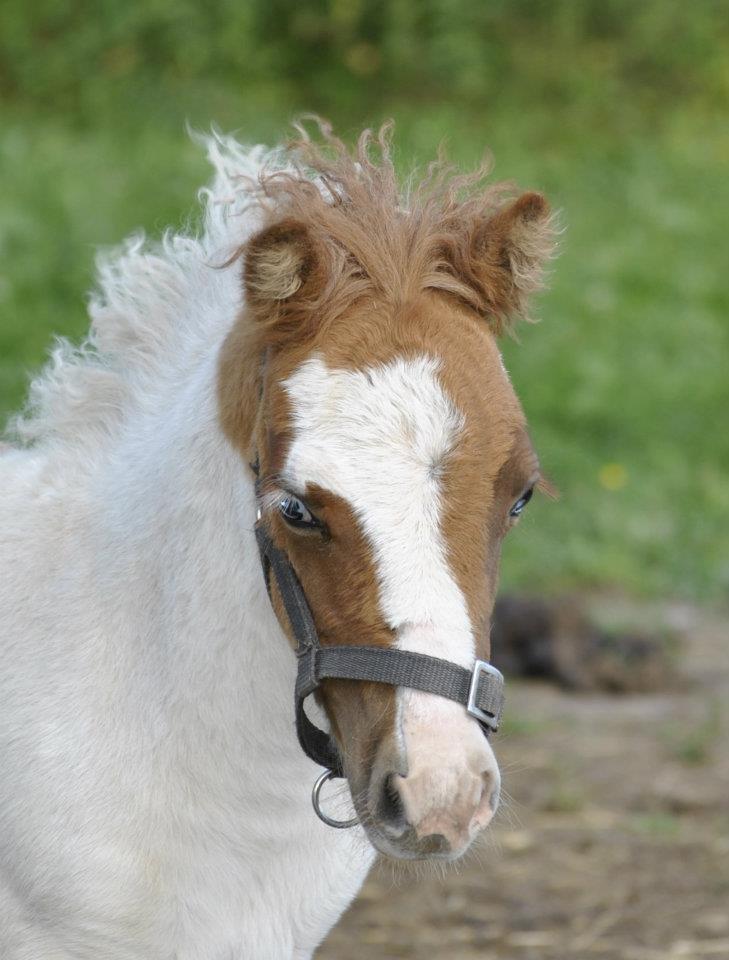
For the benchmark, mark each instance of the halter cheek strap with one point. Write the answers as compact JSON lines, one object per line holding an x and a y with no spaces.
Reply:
{"x":479,"y":690}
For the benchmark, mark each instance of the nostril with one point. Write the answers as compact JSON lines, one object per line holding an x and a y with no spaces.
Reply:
{"x":434,"y":843}
{"x":391,"y":801}
{"x":390,"y":809}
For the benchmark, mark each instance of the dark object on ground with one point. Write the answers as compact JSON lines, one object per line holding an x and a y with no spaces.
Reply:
{"x":556,"y":640}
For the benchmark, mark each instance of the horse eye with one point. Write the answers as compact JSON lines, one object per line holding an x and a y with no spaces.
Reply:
{"x":521,"y":503}
{"x":296,"y":513}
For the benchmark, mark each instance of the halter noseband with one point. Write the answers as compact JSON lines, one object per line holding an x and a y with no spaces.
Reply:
{"x":479,"y":690}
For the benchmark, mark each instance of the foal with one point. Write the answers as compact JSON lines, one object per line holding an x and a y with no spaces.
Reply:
{"x":337,"y":386}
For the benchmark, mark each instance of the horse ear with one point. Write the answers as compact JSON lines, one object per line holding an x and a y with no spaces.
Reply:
{"x":281,"y":276}
{"x":278,"y":263}
{"x":509,"y":251}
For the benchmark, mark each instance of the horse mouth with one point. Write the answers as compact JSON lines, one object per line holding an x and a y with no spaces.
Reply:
{"x":411,"y":847}
{"x":394,"y":837}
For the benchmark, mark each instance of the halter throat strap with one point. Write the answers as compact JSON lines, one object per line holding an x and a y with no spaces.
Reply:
{"x":479,"y":690}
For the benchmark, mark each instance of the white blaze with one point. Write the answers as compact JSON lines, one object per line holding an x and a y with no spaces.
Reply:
{"x":377,"y":438}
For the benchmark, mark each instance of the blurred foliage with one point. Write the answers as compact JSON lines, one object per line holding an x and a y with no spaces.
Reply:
{"x":617,"y":109}
{"x":67,"y":53}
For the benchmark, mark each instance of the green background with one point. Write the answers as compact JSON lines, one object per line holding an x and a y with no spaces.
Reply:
{"x":618,"y":110}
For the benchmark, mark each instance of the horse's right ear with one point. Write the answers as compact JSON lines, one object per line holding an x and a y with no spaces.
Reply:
{"x":281,"y":271}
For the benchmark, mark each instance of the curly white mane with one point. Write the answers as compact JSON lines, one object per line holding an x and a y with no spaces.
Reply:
{"x":154,"y":308}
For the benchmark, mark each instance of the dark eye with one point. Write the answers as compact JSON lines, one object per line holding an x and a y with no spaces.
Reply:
{"x":521,"y":503}
{"x":296,"y":513}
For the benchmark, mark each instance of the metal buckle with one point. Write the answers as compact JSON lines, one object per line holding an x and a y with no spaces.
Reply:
{"x":480,"y":667}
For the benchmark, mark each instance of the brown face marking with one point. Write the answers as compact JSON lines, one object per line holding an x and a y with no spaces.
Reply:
{"x":477,"y":478}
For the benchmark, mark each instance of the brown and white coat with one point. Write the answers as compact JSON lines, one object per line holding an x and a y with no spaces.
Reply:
{"x":155,"y":801}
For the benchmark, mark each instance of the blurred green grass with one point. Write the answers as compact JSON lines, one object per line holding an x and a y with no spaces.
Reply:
{"x":618,"y":111}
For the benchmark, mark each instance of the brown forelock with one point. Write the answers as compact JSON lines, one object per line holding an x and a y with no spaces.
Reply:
{"x":358,"y":234}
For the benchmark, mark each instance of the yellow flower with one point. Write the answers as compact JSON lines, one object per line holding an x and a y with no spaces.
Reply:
{"x":612,"y":476}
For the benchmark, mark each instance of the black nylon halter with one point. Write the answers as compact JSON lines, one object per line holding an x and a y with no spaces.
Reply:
{"x":479,"y":690}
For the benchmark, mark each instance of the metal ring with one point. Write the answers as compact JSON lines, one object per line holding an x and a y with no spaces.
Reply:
{"x":338,"y":824}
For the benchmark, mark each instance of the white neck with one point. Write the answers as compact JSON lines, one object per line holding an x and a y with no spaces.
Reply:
{"x":171,"y":684}
{"x":179,"y":527}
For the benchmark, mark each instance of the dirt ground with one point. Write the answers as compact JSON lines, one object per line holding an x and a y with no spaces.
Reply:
{"x":614,"y":842}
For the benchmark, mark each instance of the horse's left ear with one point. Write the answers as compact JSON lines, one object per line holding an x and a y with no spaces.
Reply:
{"x":508,"y":254}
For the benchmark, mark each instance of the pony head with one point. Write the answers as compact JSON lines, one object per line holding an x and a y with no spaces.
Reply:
{"x":365,"y":376}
